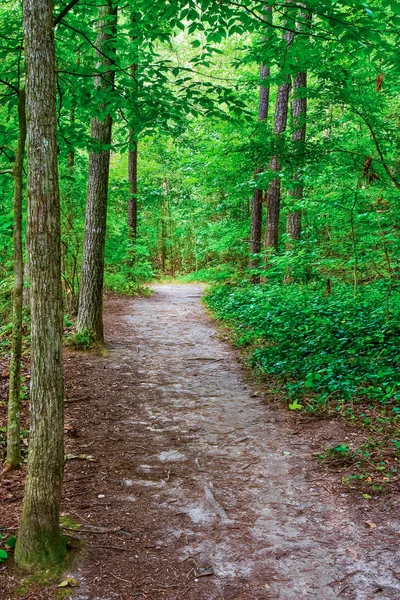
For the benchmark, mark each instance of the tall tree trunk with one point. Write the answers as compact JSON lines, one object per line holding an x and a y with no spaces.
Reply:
{"x":132,"y":173}
{"x":299,"y":111}
{"x":40,"y":543}
{"x":133,"y":158}
{"x":256,"y":205}
{"x":299,"y":114}
{"x":13,"y":458}
{"x":257,"y":200}
{"x":90,"y":310}
{"x":274,"y":188}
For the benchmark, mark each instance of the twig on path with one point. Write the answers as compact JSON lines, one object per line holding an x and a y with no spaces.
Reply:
{"x":212,"y":358}
{"x":114,"y":548}
{"x":73,"y":400}
{"x":8,"y":500}
{"x":190,"y":557}
{"x":120,"y":578}
{"x":256,"y":462}
{"x":343,"y":589}
{"x":234,"y":443}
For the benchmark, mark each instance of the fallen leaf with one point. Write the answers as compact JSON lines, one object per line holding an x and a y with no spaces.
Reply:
{"x":353,"y":552}
{"x":370,"y":524}
{"x":68,"y":582}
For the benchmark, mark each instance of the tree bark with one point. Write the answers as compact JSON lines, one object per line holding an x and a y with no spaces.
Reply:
{"x":133,"y":159}
{"x":257,"y":200}
{"x":13,"y":459}
{"x":40,"y":544}
{"x":132,"y":204}
{"x":256,"y":204}
{"x":299,"y":112}
{"x":274,"y":188}
{"x":90,"y":310}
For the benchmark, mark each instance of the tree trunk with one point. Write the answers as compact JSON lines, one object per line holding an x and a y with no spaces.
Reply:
{"x":299,"y":113}
{"x":90,"y":310}
{"x":256,"y":205}
{"x":274,"y":188}
{"x":40,"y":543}
{"x":13,"y":458}
{"x":132,"y":204}
{"x":133,"y":158}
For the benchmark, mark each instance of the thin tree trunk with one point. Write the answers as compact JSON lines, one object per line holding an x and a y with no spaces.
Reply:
{"x":299,"y":111}
{"x":13,"y":459}
{"x":274,"y":188}
{"x":90,"y":310}
{"x":40,"y":543}
{"x":132,"y":204}
{"x":133,"y":161}
{"x":257,"y":200}
{"x":256,"y":204}
{"x":299,"y":114}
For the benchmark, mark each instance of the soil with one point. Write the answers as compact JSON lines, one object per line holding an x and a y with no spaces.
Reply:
{"x":192,"y":482}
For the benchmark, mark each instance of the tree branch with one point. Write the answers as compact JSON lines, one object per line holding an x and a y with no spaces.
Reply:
{"x":378,"y":149}
{"x":65,"y":11}
{"x":9,"y":85}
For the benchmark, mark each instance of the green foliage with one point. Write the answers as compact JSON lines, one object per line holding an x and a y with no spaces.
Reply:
{"x":11,"y":541}
{"x":3,"y":555}
{"x":215,"y":274}
{"x":83,"y":339}
{"x":323,"y":350}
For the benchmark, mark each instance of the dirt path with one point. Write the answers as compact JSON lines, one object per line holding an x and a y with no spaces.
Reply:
{"x":201,"y":490}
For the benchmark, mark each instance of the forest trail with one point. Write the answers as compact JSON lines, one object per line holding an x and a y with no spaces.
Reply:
{"x":198,"y":488}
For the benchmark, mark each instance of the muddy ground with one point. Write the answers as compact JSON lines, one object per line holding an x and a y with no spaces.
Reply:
{"x":194,"y":483}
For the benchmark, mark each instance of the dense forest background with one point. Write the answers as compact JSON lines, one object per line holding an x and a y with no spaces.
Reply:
{"x":254,"y":146}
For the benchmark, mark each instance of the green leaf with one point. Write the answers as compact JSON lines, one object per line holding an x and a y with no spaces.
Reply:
{"x":68,"y":582}
{"x":3,"y":555}
{"x":295,"y":405}
{"x":11,"y":541}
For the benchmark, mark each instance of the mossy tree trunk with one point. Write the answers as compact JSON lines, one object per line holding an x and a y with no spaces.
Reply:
{"x":90,"y":309}
{"x":40,"y":544}
{"x":13,"y":458}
